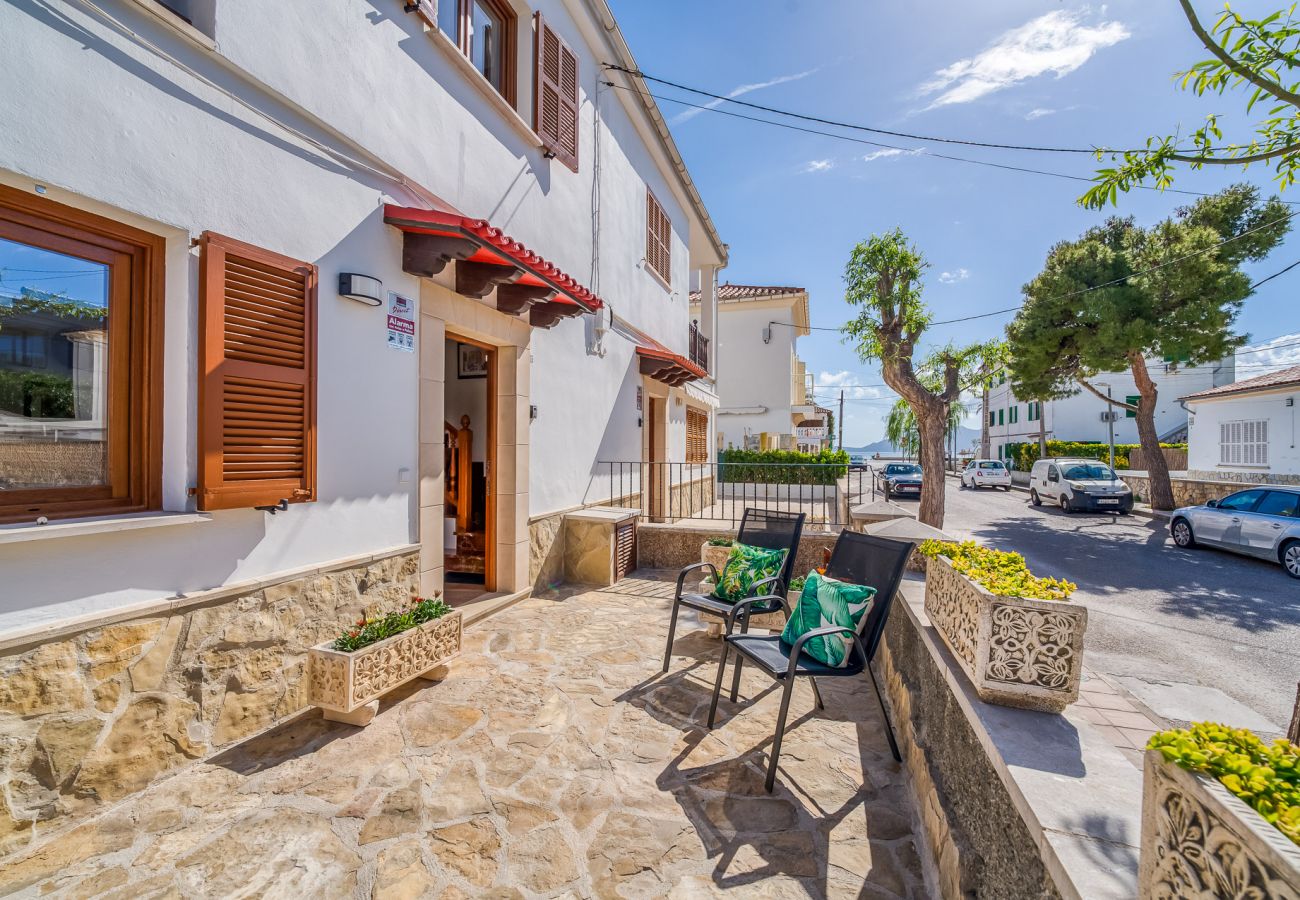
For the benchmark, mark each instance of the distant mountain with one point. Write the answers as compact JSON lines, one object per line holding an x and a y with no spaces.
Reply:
{"x":966,"y":439}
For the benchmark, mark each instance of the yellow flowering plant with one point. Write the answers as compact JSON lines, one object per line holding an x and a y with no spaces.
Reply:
{"x":999,"y":572}
{"x":1265,"y":776}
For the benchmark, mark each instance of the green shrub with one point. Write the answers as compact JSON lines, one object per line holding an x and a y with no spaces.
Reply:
{"x":781,"y":466}
{"x":797,"y":583}
{"x":999,"y":572}
{"x":36,"y":394}
{"x":1024,"y":455}
{"x":1265,"y":776}
{"x":370,"y":631}
{"x":719,"y":542}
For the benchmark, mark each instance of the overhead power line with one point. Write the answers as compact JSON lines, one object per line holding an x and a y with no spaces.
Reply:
{"x":914,"y":151}
{"x":850,"y":125}
{"x":854,"y":126}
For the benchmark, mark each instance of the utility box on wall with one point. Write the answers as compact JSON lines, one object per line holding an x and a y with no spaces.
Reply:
{"x":599,"y":544}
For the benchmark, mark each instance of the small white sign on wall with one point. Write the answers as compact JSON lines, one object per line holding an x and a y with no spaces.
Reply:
{"x":401,"y":322}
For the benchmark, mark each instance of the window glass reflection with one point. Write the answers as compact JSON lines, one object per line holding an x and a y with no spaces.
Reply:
{"x":53,"y":369}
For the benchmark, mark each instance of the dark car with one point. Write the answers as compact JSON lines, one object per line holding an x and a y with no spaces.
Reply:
{"x":899,"y":480}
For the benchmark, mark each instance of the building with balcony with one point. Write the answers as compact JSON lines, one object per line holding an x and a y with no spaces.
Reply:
{"x":765,"y":392}
{"x":309,"y":331}
{"x":1081,"y":417}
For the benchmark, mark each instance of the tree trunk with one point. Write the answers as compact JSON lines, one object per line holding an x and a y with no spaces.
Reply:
{"x":984,"y":424}
{"x":932,"y":425}
{"x":1162,"y":491}
{"x":1042,"y":432}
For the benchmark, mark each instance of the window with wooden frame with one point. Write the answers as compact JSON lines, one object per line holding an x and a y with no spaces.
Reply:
{"x":81,"y":328}
{"x":485,"y":31}
{"x":257,"y":376}
{"x":697,"y":435}
{"x":658,"y":239}
{"x":555,"y":106}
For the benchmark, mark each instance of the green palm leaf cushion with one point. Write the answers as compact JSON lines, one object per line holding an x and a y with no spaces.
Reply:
{"x":745,"y":566}
{"x":826,"y":601}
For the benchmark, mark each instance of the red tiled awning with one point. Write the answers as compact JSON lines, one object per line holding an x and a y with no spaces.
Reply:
{"x":664,"y":365}
{"x":495,"y":259}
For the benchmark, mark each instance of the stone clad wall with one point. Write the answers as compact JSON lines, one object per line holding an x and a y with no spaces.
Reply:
{"x":1187,"y":491}
{"x":980,"y":844}
{"x":675,"y":546}
{"x":91,"y":717}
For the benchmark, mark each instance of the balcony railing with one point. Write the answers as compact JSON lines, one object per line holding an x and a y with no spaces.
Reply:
{"x":699,"y":349}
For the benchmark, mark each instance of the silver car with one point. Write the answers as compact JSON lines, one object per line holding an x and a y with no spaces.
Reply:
{"x":1263,"y":522}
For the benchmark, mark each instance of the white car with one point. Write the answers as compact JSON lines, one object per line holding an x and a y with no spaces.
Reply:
{"x":981,"y":473}
{"x":1079,"y":485}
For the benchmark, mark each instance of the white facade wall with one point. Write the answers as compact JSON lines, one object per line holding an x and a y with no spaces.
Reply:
{"x":106,"y":124}
{"x":1078,"y":418}
{"x":1203,"y":456}
{"x":752,"y":373}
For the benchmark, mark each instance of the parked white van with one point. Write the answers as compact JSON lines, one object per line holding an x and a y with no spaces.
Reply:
{"x":1079,"y":485}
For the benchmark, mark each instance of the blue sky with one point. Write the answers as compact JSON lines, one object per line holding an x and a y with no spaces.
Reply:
{"x":792,"y":205}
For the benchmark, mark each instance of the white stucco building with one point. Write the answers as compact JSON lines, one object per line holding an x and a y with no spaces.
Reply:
{"x":1246,"y":431}
{"x":1080,"y":417}
{"x":764,"y":389}
{"x":307,"y":307}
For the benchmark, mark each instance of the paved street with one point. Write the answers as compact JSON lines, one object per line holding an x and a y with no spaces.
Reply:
{"x":1174,"y":626}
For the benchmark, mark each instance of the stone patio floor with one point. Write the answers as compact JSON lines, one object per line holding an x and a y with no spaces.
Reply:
{"x":552,"y":760}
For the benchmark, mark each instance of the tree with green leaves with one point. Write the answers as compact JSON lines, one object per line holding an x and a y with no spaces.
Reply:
{"x":1255,"y":56}
{"x":901,"y":429}
{"x":883,"y":281}
{"x":1122,"y":294}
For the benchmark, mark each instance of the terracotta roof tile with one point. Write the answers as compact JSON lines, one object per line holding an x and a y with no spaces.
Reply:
{"x":732,"y":292}
{"x":1284,"y":378}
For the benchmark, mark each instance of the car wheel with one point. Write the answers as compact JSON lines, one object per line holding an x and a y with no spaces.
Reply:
{"x":1065,"y":505}
{"x":1007,"y":488}
{"x":1182,"y":531}
{"x":1290,"y":557}
{"x":1034,"y":498}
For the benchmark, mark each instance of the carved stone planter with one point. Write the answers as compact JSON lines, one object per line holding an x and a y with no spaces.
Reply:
{"x":713,"y":554}
{"x":1198,"y":840}
{"x":1015,"y":651}
{"x":347,"y":686}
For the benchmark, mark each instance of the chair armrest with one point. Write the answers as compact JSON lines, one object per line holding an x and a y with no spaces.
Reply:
{"x":744,"y":605}
{"x":681,"y":576}
{"x":822,"y":632}
{"x":773,"y":582}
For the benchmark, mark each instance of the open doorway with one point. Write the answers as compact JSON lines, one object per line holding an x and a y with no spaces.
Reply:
{"x":469,"y":445}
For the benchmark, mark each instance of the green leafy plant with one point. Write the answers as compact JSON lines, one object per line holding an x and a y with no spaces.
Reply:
{"x":797,"y":583}
{"x":1024,"y":455}
{"x":999,"y":572}
{"x":37,"y":394}
{"x":782,"y":466}
{"x":719,"y":542}
{"x":371,"y":631}
{"x":1265,"y":776}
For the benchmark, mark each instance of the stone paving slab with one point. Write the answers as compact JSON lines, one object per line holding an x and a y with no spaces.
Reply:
{"x":552,"y":760}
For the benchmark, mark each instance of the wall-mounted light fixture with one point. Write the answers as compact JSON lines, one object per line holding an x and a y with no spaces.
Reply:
{"x":361,"y":288}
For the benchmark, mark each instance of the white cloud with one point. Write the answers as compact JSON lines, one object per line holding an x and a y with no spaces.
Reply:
{"x":954,"y":276}
{"x":1039,"y":113}
{"x":819,"y":165}
{"x":1280,"y":351}
{"x":890,"y":152}
{"x":740,"y":91}
{"x":1057,"y":42}
{"x":830,"y":384}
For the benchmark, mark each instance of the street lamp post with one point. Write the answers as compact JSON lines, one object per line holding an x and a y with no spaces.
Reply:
{"x":1110,"y":422}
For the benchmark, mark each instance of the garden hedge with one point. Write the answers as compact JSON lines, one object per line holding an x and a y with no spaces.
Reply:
{"x":781,"y":466}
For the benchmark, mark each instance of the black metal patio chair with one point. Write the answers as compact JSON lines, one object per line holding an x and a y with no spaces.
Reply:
{"x":758,"y":528}
{"x":858,"y":559}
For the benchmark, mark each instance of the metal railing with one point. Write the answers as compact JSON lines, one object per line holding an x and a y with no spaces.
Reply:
{"x":720,"y":493}
{"x":699,"y":347}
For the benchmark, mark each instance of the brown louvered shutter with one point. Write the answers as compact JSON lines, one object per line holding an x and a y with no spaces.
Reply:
{"x":257,"y":376}
{"x":555,"y":110}
{"x":658,"y":238}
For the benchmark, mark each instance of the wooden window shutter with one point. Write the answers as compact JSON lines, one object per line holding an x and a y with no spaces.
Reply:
{"x":257,"y":376}
{"x":658,"y":238}
{"x":624,"y":550}
{"x":555,"y":110}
